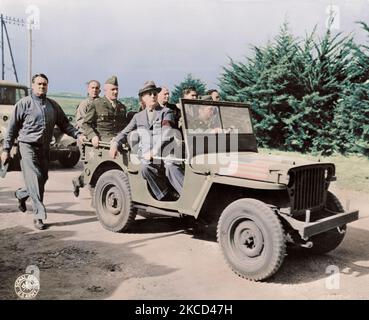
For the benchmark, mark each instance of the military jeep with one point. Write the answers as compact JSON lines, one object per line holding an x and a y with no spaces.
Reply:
{"x":260,"y":203}
{"x":62,"y":147}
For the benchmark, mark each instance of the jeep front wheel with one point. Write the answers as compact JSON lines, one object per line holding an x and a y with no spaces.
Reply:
{"x":113,"y":203}
{"x":252,"y":239}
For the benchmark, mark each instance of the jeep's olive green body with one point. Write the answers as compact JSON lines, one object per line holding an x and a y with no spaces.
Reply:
{"x":62,"y":147}
{"x":262,"y":176}
{"x":258,"y":201}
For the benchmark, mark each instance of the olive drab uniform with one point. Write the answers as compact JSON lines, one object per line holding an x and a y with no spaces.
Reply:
{"x":205,"y":125}
{"x":104,"y":118}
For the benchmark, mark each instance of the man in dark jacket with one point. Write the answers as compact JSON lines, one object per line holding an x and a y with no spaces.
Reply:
{"x":33,"y":122}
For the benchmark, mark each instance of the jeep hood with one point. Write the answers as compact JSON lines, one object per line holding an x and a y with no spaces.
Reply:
{"x":248,"y":165}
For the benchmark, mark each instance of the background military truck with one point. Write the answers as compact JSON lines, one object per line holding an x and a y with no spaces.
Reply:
{"x":259,"y":203}
{"x":62,"y":147}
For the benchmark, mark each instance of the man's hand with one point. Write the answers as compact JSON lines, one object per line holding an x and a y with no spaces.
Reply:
{"x":113,"y":151}
{"x":4,"y":157}
{"x":95,"y":141}
{"x":148,"y":156}
{"x":81,"y":138}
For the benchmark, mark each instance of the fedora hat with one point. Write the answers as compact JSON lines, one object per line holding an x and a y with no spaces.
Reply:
{"x":149,"y":86}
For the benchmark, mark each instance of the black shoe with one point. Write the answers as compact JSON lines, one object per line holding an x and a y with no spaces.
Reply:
{"x":75,"y":189}
{"x":21,"y":203}
{"x":39,"y":224}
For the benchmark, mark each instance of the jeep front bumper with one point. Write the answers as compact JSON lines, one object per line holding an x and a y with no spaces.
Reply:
{"x":309,"y":229}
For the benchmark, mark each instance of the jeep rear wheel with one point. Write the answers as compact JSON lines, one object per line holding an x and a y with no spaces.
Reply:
{"x":113,"y":203}
{"x":69,"y":159}
{"x":331,"y":239}
{"x":252,"y":239}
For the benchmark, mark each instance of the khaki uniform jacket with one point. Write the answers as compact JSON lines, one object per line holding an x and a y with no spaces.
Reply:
{"x":81,"y":112}
{"x":103,"y":120}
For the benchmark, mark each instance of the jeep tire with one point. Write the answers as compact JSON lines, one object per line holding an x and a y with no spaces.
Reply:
{"x":252,"y":239}
{"x":113,"y":202}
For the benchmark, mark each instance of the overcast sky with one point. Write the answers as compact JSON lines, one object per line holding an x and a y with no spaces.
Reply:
{"x":160,"y":40}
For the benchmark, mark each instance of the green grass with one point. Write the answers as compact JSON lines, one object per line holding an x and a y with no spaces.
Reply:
{"x":352,"y":171}
{"x":69,"y":104}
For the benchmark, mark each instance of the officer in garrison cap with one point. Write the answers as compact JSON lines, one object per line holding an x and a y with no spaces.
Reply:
{"x":105,"y":118}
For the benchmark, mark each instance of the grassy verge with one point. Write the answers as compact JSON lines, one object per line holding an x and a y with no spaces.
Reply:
{"x":352,"y":171}
{"x":68,"y":104}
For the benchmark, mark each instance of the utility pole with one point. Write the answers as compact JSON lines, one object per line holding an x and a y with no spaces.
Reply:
{"x":3,"y":21}
{"x":31,"y":23}
{"x":30,"y":56}
{"x":2,"y":49}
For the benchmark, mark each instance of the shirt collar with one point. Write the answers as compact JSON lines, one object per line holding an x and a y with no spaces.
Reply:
{"x":40,"y":99}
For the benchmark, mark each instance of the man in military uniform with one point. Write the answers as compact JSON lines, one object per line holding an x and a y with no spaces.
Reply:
{"x":104,"y":119}
{"x":106,"y":116}
{"x":154,"y":127}
{"x":207,"y":120}
{"x":93,"y":91}
{"x":33,"y":122}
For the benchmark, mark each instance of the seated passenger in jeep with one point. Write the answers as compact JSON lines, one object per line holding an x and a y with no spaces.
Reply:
{"x":207,"y":120}
{"x":154,"y":128}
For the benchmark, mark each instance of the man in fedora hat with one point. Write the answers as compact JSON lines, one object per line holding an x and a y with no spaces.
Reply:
{"x":105,"y":118}
{"x":153,"y":125}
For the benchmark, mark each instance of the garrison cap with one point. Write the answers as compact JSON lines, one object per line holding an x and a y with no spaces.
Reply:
{"x":112,"y":80}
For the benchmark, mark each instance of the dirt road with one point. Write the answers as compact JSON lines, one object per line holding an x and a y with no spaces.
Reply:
{"x":160,"y":258}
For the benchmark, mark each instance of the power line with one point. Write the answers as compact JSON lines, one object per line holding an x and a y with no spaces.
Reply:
{"x":30,"y":24}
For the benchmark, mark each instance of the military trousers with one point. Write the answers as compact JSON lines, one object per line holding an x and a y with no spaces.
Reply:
{"x":35,"y":167}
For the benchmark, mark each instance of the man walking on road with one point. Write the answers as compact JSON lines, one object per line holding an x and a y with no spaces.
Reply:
{"x":32,"y":122}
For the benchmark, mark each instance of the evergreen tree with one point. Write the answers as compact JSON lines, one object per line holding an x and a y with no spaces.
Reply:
{"x":351,"y":121}
{"x":189,"y":81}
{"x":292,"y":86}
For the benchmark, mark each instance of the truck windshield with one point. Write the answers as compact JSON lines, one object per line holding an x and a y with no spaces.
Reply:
{"x":216,"y":119}
{"x":10,"y":95}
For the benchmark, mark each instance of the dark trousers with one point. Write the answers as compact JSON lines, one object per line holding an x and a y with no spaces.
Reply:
{"x":175,"y":175}
{"x":156,"y":179}
{"x":34,"y":164}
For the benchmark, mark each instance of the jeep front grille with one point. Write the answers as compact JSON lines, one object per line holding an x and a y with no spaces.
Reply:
{"x":308,"y":187}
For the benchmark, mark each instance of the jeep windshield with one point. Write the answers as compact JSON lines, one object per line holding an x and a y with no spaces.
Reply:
{"x":216,"y":118}
{"x":217,"y":127}
{"x":9,"y":95}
